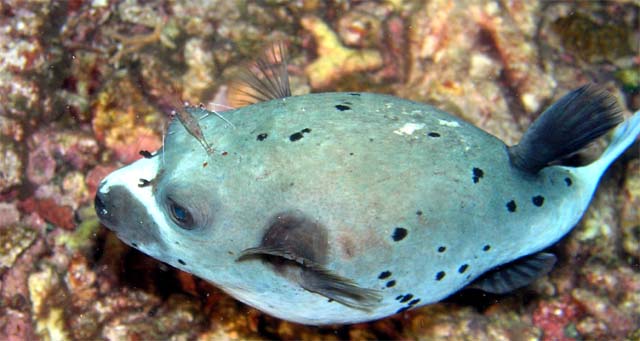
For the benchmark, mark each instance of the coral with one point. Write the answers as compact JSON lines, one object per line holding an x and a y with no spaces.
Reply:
{"x":599,"y":230}
{"x":51,"y":150}
{"x":44,"y":292}
{"x":10,"y":167}
{"x":592,"y":41}
{"x":630,"y":78}
{"x":555,"y":317}
{"x":201,"y":68}
{"x":50,"y":211}
{"x":517,"y":53}
{"x":14,"y":239}
{"x":335,"y":60}
{"x":630,"y":213}
{"x":612,"y":321}
{"x":121,"y":130}
{"x":9,"y":214}
{"x":95,"y":175}
{"x":583,"y":41}
{"x":81,"y":237}
{"x":41,"y":166}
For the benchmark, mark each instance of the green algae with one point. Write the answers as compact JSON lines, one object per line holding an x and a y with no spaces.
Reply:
{"x":592,"y":41}
{"x":82,"y":236}
{"x":630,"y":78}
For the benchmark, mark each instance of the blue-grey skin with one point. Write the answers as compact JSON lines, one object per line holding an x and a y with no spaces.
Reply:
{"x":410,"y":204}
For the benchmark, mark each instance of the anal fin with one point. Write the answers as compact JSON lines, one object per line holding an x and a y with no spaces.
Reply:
{"x":516,"y":274}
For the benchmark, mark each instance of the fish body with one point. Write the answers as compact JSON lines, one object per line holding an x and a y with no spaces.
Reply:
{"x":348,"y":207}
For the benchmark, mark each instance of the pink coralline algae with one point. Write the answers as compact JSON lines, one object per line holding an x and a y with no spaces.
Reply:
{"x":50,"y":211}
{"x":554,"y":318}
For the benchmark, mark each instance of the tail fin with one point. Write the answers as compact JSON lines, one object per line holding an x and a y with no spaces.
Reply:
{"x":623,"y":137}
{"x":567,"y":126}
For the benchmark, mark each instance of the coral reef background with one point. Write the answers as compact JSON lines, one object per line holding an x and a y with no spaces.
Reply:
{"x":84,"y":86}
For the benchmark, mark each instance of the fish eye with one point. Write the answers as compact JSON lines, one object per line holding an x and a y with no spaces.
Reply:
{"x":180,"y":215}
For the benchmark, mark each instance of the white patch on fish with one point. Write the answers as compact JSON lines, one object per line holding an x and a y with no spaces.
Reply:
{"x":452,"y":124}
{"x":409,"y":128}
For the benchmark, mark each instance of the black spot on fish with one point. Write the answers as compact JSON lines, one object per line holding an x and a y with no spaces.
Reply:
{"x":354,"y":94}
{"x":568,"y":181}
{"x":433,"y":134}
{"x":477,"y":175}
{"x":330,"y":300}
{"x":399,"y":297}
{"x":399,"y":233}
{"x":181,"y":262}
{"x":538,"y":200}
{"x":418,"y":213}
{"x":414,"y":302}
{"x":486,"y":248}
{"x":463,"y":268}
{"x":384,"y":274}
{"x":146,"y":154}
{"x":343,"y":107}
{"x":370,"y":139}
{"x":511,"y":206}
{"x":295,"y":137}
{"x":134,"y":244}
{"x":442,"y":249}
{"x":440,"y":275}
{"x":143,"y":182}
{"x":406,"y":298}
{"x":262,"y":137}
{"x":403,"y":309}
{"x":391,"y":283}
{"x":351,"y":154}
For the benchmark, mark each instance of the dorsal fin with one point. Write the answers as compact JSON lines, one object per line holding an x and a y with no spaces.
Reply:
{"x":265,"y":80}
{"x":567,"y":126}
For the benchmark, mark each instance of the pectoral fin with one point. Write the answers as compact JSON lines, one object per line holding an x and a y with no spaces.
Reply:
{"x":317,"y":279}
{"x":338,"y":288}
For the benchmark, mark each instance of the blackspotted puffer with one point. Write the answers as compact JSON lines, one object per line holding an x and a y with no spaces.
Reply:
{"x":347,"y":207}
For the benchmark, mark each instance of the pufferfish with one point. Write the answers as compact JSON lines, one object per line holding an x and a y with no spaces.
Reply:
{"x":337,"y":208}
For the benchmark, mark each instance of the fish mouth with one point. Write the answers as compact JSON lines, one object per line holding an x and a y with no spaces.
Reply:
{"x":121,"y":211}
{"x":101,"y":206}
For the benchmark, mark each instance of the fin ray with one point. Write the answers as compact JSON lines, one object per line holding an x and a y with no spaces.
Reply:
{"x":267,"y":80}
{"x":320,"y":280}
{"x":340,"y":289}
{"x":516,"y":274}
